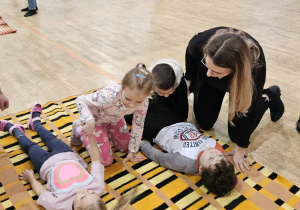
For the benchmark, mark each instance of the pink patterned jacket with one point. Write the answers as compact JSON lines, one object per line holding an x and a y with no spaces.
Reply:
{"x":105,"y":106}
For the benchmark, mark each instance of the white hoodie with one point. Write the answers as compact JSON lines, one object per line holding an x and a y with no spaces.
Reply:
{"x":175,"y":66}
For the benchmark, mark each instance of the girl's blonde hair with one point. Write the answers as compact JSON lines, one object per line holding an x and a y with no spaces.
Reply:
{"x":232,"y":49}
{"x":122,"y":204}
{"x":139,"y":78}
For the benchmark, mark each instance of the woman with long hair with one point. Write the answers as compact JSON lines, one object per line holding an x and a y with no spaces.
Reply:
{"x":222,"y":60}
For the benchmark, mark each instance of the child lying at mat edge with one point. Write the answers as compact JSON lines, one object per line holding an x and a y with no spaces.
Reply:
{"x":69,"y":185}
{"x":191,"y":152}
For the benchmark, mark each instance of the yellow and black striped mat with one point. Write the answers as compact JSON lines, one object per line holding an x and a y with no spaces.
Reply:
{"x":158,"y":188}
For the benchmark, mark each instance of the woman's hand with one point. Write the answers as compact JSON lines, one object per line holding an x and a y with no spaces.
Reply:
{"x":239,"y":160}
{"x":27,"y":175}
{"x":188,"y":84}
{"x":4,"y":103}
{"x":88,"y":128}
{"x":133,"y":157}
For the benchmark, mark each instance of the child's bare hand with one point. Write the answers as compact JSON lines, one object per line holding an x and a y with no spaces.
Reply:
{"x":239,"y":160}
{"x":88,"y":128}
{"x":26,"y":175}
{"x":132,"y":157}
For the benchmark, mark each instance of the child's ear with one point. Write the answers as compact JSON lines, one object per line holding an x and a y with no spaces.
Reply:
{"x":200,"y":170}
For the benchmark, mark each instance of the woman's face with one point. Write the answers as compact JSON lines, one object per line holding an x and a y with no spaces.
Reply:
{"x":213,"y":69}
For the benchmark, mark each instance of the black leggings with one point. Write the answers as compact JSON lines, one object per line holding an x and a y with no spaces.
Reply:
{"x":207,"y":106}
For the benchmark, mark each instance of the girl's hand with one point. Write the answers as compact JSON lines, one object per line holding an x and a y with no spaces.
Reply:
{"x":27,"y":175}
{"x":88,"y":128}
{"x":238,"y":158}
{"x":133,"y":157}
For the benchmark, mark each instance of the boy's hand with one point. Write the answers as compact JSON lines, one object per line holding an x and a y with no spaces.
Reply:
{"x":133,"y":157}
{"x":239,"y":160}
{"x":27,"y":175}
{"x":4,"y":103}
{"x":88,"y":128}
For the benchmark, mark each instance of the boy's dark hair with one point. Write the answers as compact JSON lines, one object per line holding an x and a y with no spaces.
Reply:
{"x":220,"y":179}
{"x":164,"y":76}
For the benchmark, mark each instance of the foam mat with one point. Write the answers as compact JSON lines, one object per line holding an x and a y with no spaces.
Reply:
{"x":158,"y":187}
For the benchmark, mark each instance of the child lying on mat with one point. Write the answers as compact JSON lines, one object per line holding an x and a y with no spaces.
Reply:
{"x":191,"y":152}
{"x":102,"y":113}
{"x":69,"y":186}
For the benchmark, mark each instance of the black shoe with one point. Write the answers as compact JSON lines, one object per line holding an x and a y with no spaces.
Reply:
{"x":298,"y":126}
{"x":26,"y":9}
{"x":30,"y":13}
{"x":275,"y":103}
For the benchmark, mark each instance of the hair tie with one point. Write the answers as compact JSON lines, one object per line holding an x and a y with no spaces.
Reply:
{"x":140,"y":76}
{"x":140,"y":65}
{"x":144,"y":71}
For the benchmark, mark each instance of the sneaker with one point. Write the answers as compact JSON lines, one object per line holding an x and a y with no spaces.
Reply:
{"x":275,"y":103}
{"x":75,"y":138}
{"x":30,"y":13}
{"x":298,"y":126}
{"x":26,"y":9}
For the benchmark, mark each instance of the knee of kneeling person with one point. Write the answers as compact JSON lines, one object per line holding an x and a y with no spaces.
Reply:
{"x":108,"y":161}
{"x":205,"y":125}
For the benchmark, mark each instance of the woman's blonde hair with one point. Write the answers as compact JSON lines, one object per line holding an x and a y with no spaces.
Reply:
{"x":139,"y":78}
{"x":232,"y":49}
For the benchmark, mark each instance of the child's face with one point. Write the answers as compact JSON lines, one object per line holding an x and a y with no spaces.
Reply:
{"x":164,"y":93}
{"x":132,"y":97}
{"x":210,"y":157}
{"x":85,"y":198}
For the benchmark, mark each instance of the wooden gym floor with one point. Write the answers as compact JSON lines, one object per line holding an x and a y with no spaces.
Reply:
{"x":71,"y":47}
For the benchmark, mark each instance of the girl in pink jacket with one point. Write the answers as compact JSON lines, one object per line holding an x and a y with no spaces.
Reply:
{"x":102,"y":114}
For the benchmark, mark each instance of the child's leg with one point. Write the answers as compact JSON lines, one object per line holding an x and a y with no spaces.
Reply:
{"x":37,"y":154}
{"x":120,"y":135}
{"x":102,"y":142}
{"x":54,"y":144}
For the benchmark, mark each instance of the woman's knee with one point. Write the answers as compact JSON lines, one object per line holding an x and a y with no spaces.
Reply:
{"x":204,"y":124}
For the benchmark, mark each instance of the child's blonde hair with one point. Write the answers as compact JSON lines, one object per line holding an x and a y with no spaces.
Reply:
{"x":139,"y":78}
{"x":122,"y":204}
